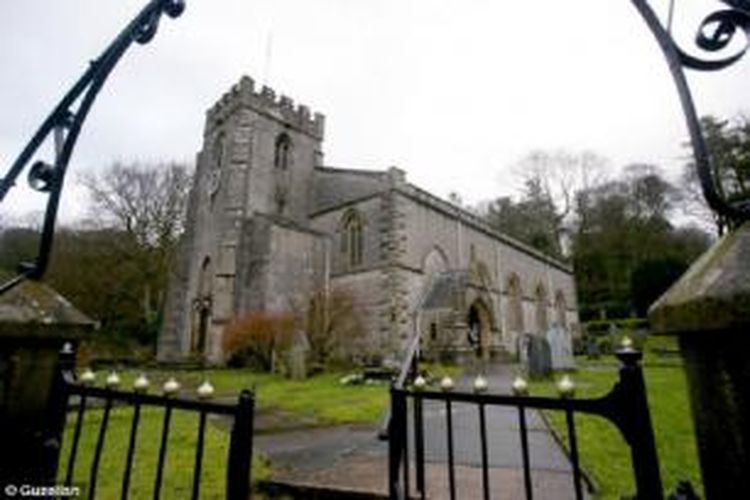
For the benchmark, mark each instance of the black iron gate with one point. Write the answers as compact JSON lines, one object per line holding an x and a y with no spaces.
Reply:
{"x":625,"y":406}
{"x":68,"y":386}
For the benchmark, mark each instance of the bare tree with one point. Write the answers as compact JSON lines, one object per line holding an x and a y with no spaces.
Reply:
{"x":554,"y":181}
{"x":333,"y":327}
{"x":145,"y":204}
{"x":146,"y":201}
{"x":559,"y":174}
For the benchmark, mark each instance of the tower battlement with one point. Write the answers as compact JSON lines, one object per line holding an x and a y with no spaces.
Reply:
{"x":281,"y":107}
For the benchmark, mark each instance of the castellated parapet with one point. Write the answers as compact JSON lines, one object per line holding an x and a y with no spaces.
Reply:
{"x":282,"y":108}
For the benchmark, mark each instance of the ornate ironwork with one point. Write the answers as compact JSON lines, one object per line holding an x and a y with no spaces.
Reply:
{"x":64,"y":125}
{"x":714,"y":35}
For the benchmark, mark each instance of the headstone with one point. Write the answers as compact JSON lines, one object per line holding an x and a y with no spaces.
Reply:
{"x":561,"y":348}
{"x":539,"y":359}
{"x":592,"y":348}
{"x":522,"y":348}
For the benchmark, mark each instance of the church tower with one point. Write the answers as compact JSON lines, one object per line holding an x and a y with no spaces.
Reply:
{"x":259,"y":152}
{"x":258,"y":159}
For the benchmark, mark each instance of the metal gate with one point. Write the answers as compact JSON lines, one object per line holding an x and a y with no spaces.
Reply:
{"x":67,"y":385}
{"x":625,"y":406}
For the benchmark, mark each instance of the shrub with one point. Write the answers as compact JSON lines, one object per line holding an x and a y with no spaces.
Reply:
{"x":333,"y":328}
{"x":257,"y":339}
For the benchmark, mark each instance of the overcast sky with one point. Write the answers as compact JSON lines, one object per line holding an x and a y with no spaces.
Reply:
{"x":452,"y":91}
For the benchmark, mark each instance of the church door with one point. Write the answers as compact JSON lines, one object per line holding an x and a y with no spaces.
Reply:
{"x":203,"y":316}
{"x":479,"y":332}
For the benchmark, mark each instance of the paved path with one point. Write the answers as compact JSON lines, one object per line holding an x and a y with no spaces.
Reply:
{"x":351,"y":458}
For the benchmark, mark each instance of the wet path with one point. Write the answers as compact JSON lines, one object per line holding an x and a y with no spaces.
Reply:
{"x":350,"y":458}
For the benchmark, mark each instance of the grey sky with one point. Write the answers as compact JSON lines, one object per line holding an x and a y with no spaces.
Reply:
{"x":452,"y":91}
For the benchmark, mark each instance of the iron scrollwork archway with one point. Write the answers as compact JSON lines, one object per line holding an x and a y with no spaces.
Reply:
{"x":715,"y":34}
{"x":64,"y":124}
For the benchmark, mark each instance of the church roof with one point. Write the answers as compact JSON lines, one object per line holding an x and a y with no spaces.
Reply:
{"x":335,"y":187}
{"x":338,"y":187}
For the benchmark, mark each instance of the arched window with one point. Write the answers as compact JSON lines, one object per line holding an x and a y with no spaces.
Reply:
{"x":541,"y":309}
{"x":351,"y":239}
{"x":283,"y":151}
{"x":515,"y":308}
{"x":560,"y":308}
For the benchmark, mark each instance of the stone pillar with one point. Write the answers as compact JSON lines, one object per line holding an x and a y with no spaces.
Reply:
{"x":35,"y":323}
{"x":709,"y":310}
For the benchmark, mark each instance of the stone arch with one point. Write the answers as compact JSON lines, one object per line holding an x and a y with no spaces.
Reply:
{"x":540,"y":306}
{"x":434,"y":262}
{"x":515,"y":304}
{"x":479,"y":322}
{"x":560,"y":309}
{"x":351,"y":231}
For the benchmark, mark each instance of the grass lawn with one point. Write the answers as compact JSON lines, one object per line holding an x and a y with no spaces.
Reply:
{"x":180,"y":458}
{"x":321,"y":397}
{"x":602,"y":450}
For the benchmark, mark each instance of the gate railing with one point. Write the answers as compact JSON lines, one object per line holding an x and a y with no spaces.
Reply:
{"x":626,"y":406}
{"x":240,"y":439}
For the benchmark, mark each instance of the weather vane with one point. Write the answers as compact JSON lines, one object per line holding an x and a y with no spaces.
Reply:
{"x":715,"y":35}
{"x":63,"y":126}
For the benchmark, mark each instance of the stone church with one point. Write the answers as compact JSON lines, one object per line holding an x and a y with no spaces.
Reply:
{"x":269,"y":224}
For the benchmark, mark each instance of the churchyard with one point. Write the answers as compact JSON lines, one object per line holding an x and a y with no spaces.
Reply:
{"x":282,"y":341}
{"x":322,"y":401}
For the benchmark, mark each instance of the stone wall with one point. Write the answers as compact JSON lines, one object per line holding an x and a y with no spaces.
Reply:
{"x":280,"y":267}
{"x":433,"y":226}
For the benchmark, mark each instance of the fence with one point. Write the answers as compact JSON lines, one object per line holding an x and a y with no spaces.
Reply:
{"x":240,"y":446}
{"x":625,"y":406}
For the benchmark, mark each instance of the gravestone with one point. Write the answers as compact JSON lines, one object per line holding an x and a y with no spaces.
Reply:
{"x":538,"y":356}
{"x":561,"y":348}
{"x":592,"y":348}
{"x":522,"y":349}
{"x":296,"y":357}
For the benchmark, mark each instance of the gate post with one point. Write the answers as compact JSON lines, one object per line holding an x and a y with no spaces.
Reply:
{"x":397,"y":435}
{"x":241,"y":448}
{"x":35,"y":322}
{"x":637,"y":419}
{"x":709,"y":310}
{"x":56,"y":412}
